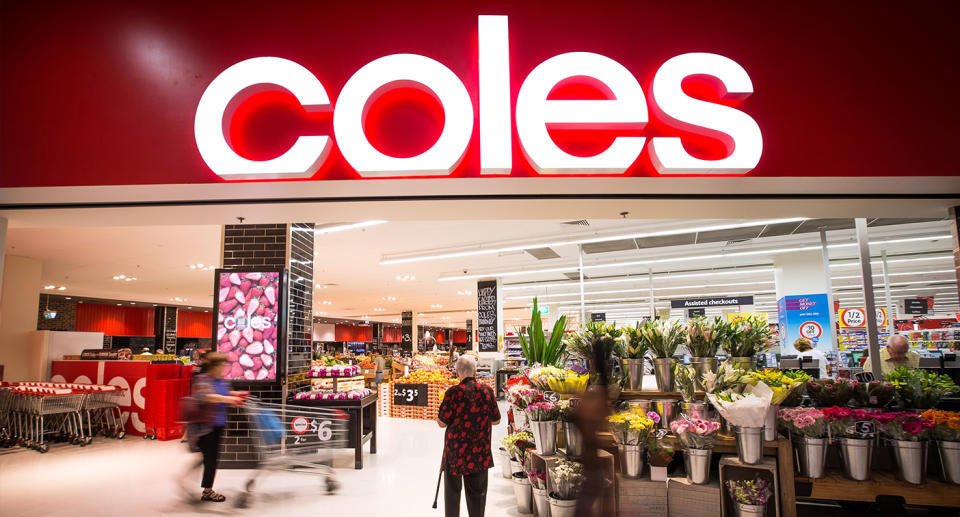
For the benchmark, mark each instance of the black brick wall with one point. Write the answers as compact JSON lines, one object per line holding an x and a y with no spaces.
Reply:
{"x":267,"y":245}
{"x":66,"y":313}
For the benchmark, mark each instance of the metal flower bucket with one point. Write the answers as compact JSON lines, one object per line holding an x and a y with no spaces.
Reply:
{"x":545,"y":437}
{"x":811,"y":456}
{"x":697,"y":464}
{"x":749,"y":444}
{"x":540,"y":503}
{"x":702,"y":365}
{"x":857,"y":455}
{"x":749,"y":510}
{"x":663,"y":370}
{"x":562,"y":507}
{"x":632,"y":460}
{"x":505,"y":469}
{"x":911,"y":459}
{"x":521,"y":489}
{"x":770,"y":423}
{"x":634,"y":370}
{"x":950,"y":461}
{"x":574,"y":439}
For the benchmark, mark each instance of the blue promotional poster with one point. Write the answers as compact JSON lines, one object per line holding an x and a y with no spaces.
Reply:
{"x":805,"y":316}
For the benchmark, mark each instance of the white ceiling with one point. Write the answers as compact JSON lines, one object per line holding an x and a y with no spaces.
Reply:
{"x":85,"y":260}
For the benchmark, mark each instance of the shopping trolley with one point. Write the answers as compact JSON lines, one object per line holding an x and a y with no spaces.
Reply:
{"x":296,"y":439}
{"x":48,"y":411}
{"x":102,"y":412}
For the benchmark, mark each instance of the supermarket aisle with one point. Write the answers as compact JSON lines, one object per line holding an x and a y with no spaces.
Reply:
{"x":136,"y":477}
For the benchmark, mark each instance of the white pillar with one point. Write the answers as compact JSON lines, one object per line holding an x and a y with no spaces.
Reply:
{"x":804,"y":307}
{"x":18,"y":315}
{"x":3,"y":249}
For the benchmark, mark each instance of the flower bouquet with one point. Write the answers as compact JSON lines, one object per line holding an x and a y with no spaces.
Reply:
{"x":747,"y":338}
{"x":809,"y":428}
{"x":726,"y":377}
{"x":743,"y":406}
{"x":823,"y":392}
{"x":685,"y":377}
{"x":947,"y":432}
{"x":795,"y":398}
{"x":878,"y":394}
{"x":542,"y":412}
{"x":782,"y":385}
{"x":920,"y":389}
{"x":538,"y":478}
{"x":903,"y":425}
{"x":854,"y":431}
{"x":695,"y":433}
{"x":521,"y":396}
{"x":537,"y":349}
{"x":750,"y":493}
{"x":842,"y":422}
{"x":632,"y":349}
{"x":559,"y":380}
{"x":517,"y":443}
{"x":908,"y":434}
{"x":704,"y":336}
{"x":567,"y":478}
{"x":631,"y":428}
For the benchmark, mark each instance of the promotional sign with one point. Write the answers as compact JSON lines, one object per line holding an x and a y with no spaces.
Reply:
{"x":469,"y":345}
{"x":805,"y":316}
{"x":598,"y":316}
{"x":857,"y":318}
{"x":487,"y":336}
{"x":694,"y":313}
{"x":410,"y":395}
{"x":129,"y":375}
{"x":308,"y":429}
{"x":418,"y":89}
{"x":711,"y":302}
{"x":250,"y":310}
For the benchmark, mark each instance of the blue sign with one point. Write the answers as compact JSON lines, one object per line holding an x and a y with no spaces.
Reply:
{"x":544,"y":309}
{"x":805,"y":316}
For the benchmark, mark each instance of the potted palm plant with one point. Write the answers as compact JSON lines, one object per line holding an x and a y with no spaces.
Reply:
{"x":704,"y":336}
{"x":535,"y":346}
{"x":632,"y":349}
{"x":662,"y":338}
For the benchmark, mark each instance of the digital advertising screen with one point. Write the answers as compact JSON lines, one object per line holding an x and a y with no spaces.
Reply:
{"x":250,"y":310}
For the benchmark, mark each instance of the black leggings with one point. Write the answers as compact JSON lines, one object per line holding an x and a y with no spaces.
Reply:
{"x":210,"y":447}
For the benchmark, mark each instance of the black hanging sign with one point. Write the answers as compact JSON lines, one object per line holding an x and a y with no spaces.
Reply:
{"x":711,"y":302}
{"x":487,"y":315}
{"x":469,"y":345}
{"x":915,"y":306}
{"x":693,"y":313}
{"x":598,"y":316}
{"x":406,"y":330}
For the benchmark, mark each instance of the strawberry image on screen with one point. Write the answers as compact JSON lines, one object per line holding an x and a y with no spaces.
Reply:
{"x":248,"y":312}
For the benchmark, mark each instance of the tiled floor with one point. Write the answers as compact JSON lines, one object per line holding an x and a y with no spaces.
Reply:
{"x":134,"y":477}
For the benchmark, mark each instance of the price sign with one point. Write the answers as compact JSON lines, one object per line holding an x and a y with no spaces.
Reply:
{"x":410,"y":395}
{"x":661,"y":433}
{"x":864,"y":377}
{"x":865,"y":427}
{"x":551,"y":396}
{"x":309,"y":430}
{"x":574,"y":403}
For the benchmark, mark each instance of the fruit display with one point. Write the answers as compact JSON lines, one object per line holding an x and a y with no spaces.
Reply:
{"x":248,"y":312}
{"x":329,"y":360}
{"x":345,"y":395}
{"x":334,"y":371}
{"x":427,"y":377}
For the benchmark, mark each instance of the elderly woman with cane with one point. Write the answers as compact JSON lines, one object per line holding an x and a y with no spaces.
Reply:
{"x":468,"y":412}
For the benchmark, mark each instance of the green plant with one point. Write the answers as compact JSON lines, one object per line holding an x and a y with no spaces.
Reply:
{"x":663,"y":337}
{"x":631,"y":344}
{"x":920,"y":389}
{"x":535,"y":346}
{"x":747,"y":337}
{"x":704,"y":336}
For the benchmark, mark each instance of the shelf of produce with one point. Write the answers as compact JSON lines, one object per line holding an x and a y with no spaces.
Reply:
{"x":363,"y":421}
{"x":837,"y":487}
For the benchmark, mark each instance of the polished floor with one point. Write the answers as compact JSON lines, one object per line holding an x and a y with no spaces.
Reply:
{"x":139,"y":477}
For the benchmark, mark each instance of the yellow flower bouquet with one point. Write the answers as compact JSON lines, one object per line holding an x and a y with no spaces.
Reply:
{"x":630,"y":428}
{"x":780,"y":383}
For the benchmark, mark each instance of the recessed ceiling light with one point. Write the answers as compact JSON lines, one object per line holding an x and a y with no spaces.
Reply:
{"x":436,"y":306}
{"x":69,"y":298}
{"x":378,"y":309}
{"x":350,"y":226}
{"x":119,"y":304}
{"x":49,"y":287}
{"x":388,"y":298}
{"x":326,"y":302}
{"x":189,"y":307}
{"x":62,"y":288}
{"x":405,"y":278}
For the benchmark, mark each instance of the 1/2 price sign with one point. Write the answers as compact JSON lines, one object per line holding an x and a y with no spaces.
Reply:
{"x":410,"y":395}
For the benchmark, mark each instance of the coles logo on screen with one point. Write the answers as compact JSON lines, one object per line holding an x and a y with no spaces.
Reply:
{"x":626,"y":107}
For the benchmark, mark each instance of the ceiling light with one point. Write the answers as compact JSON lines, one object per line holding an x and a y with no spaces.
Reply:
{"x":192,"y":266}
{"x":133,"y":303}
{"x":68,"y":298}
{"x":189,"y":307}
{"x":378,"y":309}
{"x":580,"y":240}
{"x":465,"y":293}
{"x":854,"y":263}
{"x":644,"y":290}
{"x":389,"y":298}
{"x":421,"y":314}
{"x":49,"y":287}
{"x":62,"y":288}
{"x":405,"y":278}
{"x":119,"y":304}
{"x":326,"y":302}
{"x":116,"y":278}
{"x":342,"y":227}
{"x":436,"y":306}
{"x":880,"y":274}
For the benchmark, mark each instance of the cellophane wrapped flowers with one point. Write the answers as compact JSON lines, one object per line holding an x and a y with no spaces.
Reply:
{"x":543,"y":412}
{"x":755,"y":492}
{"x":538,"y":478}
{"x":695,"y":433}
{"x":903,"y":425}
{"x":804,"y":421}
{"x":567,"y":478}
{"x":630,"y":428}
{"x":780,"y":382}
{"x":685,"y":375}
{"x":946,"y":424}
{"x":522,"y":396}
{"x":726,"y":378}
{"x":517,"y":443}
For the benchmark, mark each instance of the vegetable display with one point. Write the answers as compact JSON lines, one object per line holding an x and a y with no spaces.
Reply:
{"x":344,"y":395}
{"x":334,"y":371}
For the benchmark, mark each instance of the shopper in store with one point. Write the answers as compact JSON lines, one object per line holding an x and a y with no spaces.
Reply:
{"x":897,"y":353}
{"x":210,"y":394}
{"x":468,"y":412}
{"x":379,"y":363}
{"x":804,"y":348}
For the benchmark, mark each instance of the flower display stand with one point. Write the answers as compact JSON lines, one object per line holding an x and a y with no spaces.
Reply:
{"x":731,"y":468}
{"x":642,"y":497}
{"x":685,"y":499}
{"x":609,"y":498}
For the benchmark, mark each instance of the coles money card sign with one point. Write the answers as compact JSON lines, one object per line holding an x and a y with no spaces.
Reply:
{"x":249,"y":308}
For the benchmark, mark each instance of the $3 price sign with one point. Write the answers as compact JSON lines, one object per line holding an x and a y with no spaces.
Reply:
{"x":410,"y":395}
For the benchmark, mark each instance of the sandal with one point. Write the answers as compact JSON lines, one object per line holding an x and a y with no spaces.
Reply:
{"x":210,"y":495}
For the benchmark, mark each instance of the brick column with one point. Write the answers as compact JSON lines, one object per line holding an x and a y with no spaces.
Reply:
{"x":272,"y":246}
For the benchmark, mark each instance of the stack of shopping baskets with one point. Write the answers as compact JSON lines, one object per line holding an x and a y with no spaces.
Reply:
{"x":33,"y":413}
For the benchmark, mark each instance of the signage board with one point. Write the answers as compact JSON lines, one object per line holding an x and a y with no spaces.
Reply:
{"x":486,"y":114}
{"x":695,"y":313}
{"x":551,"y":396}
{"x":915,"y":306}
{"x":805,"y":316}
{"x":304,"y":428}
{"x":469,"y":345}
{"x":696,"y":303}
{"x":487,"y":335}
{"x":598,"y":316}
{"x":406,"y":331}
{"x":250,"y":315}
{"x":857,"y":317}
{"x":410,"y":395}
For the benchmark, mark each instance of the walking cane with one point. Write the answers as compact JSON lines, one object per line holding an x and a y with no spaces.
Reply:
{"x":436,"y":495}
